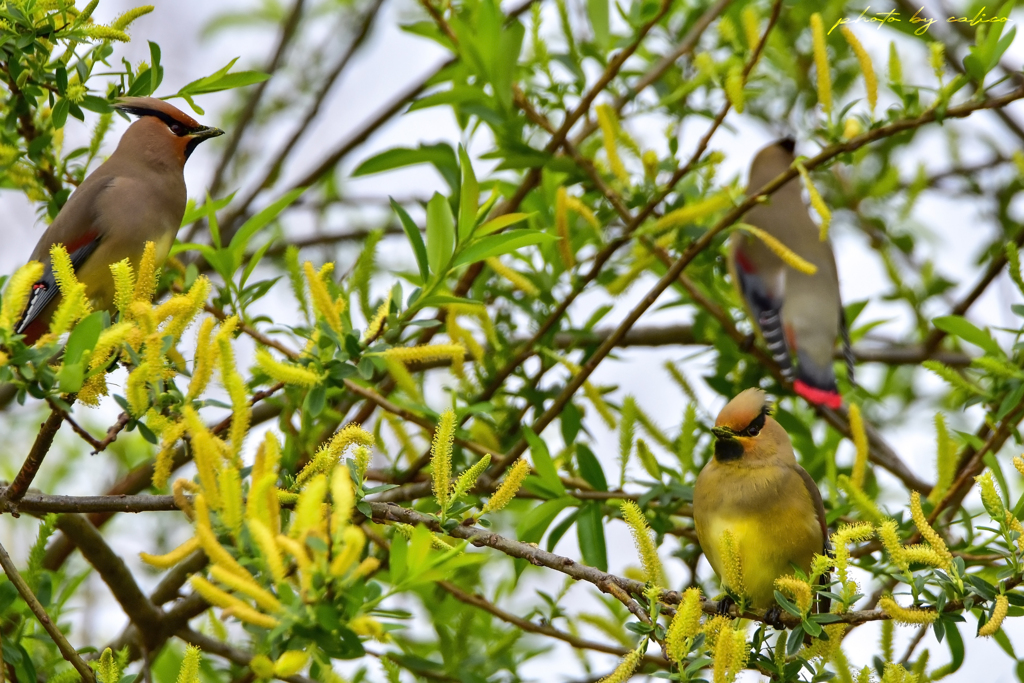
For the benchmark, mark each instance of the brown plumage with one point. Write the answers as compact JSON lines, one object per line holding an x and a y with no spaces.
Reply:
{"x":136,"y":196}
{"x":799,"y":316}
{"x":754,"y":488}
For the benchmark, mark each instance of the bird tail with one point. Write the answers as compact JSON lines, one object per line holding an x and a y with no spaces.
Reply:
{"x":816,"y":383}
{"x":770,"y":322}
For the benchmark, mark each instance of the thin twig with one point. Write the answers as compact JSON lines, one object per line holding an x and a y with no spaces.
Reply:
{"x":69,"y":653}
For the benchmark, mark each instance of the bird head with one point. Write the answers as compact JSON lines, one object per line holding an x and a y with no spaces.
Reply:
{"x":770,"y":161}
{"x":744,"y":429}
{"x":164,"y":127}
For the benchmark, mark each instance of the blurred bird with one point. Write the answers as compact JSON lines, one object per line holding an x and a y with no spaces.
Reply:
{"x":136,"y":196}
{"x":795,"y":313}
{"x":754,"y":488}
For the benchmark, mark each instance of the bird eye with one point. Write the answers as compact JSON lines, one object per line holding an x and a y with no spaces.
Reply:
{"x":753,"y":430}
{"x":178,"y":129}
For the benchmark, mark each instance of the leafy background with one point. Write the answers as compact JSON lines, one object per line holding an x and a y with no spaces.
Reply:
{"x":946,"y":234}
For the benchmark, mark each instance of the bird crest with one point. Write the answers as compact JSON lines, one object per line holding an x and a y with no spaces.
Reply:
{"x":748,"y":409}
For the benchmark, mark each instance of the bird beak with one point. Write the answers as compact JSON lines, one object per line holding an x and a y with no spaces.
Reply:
{"x":205,"y":133}
{"x":722,"y":432}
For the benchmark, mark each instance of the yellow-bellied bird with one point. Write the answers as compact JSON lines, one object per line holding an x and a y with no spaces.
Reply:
{"x":135,"y":196}
{"x":754,"y":488}
{"x":797,"y":314}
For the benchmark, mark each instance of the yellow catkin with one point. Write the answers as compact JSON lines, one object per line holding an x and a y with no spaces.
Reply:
{"x":518,"y":280}
{"x":751,"y":26}
{"x":302,"y":560}
{"x":906,"y":615}
{"x":208,"y":540}
{"x":797,"y":590}
{"x":327,"y":457}
{"x":321,"y":298}
{"x":817,"y":202}
{"x":691,"y":212}
{"x":730,"y":655}
{"x":734,"y":87}
{"x":230,"y":484}
{"x":684,"y":626}
{"x":376,"y":323}
{"x":164,"y":461}
{"x":180,"y":491}
{"x":268,"y":547}
{"x":509,"y":487}
{"x":262,"y":666}
{"x":291,"y":663}
{"x":637,"y":522}
{"x":17,"y":292}
{"x":784,"y":253}
{"x":866,"y":67}
{"x":63,"y":269}
{"x":187,"y":307}
{"x":241,"y":411}
{"x":189,"y":670}
{"x":732,"y":567}
{"x":308,"y":510}
{"x":860,"y":500}
{"x":821,"y":63}
{"x":990,"y":496}
{"x":624,"y":671}
{"x":841,"y":540}
{"x":607,"y":121}
{"x":441,"y":458}
{"x":996,"y":620}
{"x":205,"y":360}
{"x":860,"y":442}
{"x":287,"y":372}
{"x":206,"y":455}
{"x":353,"y":541}
{"x":168,"y":560}
{"x":219,"y":598}
{"x":465,"y":483}
{"x":927,"y":532}
{"x":124,"y":285}
{"x":945,"y":460}
{"x":454,"y":353}
{"x":574,"y":204}
{"x":889,"y":535}
{"x":562,"y":228}
{"x":402,"y":377}
{"x":343,"y":498}
{"x":247,"y":587}
{"x":148,"y":274}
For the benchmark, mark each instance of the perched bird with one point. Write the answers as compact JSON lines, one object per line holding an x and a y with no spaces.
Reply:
{"x":754,"y":488}
{"x":796,"y":314}
{"x":136,"y":196}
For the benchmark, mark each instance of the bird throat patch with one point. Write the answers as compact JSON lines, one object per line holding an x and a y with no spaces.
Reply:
{"x":728,"y":449}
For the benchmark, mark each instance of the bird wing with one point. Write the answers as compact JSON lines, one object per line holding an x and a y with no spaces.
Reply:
{"x":844,"y":330}
{"x":824,"y":604}
{"x":764,"y":299}
{"x":45,"y":288}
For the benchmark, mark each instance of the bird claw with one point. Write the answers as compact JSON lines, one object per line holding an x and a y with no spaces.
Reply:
{"x":773,"y":617}
{"x":724,"y":605}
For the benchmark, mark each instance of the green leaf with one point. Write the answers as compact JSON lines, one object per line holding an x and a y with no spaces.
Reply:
{"x":590,"y":532}
{"x":440,"y":234}
{"x":415,"y":239}
{"x":496,"y":245}
{"x":597,"y":12}
{"x":534,"y":523}
{"x":240,"y":241}
{"x":441,"y":156}
{"x":590,"y":468}
{"x":956,"y":646}
{"x":543,"y":463}
{"x":84,"y":337}
{"x":501,"y":222}
{"x":966,"y":330}
{"x":222,"y":80}
{"x":469,"y":197}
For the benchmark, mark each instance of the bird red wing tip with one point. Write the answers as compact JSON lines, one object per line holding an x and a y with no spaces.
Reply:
{"x":829,"y":399}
